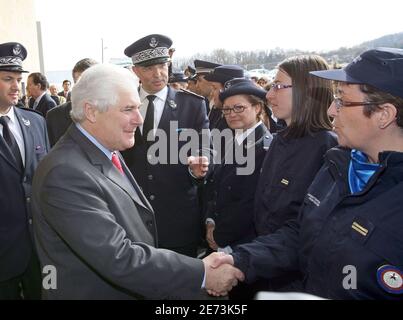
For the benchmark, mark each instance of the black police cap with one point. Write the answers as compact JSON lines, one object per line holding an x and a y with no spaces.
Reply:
{"x":225,"y":73}
{"x":381,"y":68}
{"x":149,"y":50}
{"x":204,"y":67}
{"x":177,"y":77}
{"x":241,"y":86}
{"x":11,"y":56}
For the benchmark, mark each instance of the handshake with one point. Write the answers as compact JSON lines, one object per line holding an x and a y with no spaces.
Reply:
{"x":221,"y":275}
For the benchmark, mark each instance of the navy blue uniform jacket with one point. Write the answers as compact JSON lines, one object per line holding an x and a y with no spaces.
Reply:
{"x":336,"y":229}
{"x":15,"y":195}
{"x":287,"y":171}
{"x":169,"y":187}
{"x":231,"y":205}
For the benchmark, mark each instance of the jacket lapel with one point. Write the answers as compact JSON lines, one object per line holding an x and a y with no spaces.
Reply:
{"x":25,"y":125}
{"x":170,"y":111}
{"x":101,"y":161}
{"x":6,"y":153}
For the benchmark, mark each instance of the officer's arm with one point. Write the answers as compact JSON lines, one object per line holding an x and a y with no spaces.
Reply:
{"x":271,"y":255}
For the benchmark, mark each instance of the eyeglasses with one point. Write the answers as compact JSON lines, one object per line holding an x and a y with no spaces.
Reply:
{"x":279,"y":86}
{"x":340,"y":103}
{"x":235,"y":109}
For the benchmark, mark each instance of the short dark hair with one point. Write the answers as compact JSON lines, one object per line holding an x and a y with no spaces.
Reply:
{"x":83,"y":65}
{"x":65,"y":81}
{"x":373,"y":94}
{"x":39,"y":78}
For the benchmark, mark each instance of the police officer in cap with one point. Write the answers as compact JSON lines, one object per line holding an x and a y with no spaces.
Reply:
{"x":23,"y":143}
{"x":178,"y":80}
{"x":204,"y":87}
{"x":168,"y":187}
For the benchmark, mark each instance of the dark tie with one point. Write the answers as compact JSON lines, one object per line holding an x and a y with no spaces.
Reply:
{"x":116,"y":162}
{"x":10,"y":140}
{"x":149,"y":120}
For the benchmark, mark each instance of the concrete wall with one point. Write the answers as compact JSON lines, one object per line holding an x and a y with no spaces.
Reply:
{"x":18,"y":23}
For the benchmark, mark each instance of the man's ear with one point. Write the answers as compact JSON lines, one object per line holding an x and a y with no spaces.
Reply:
{"x":90,"y":113}
{"x":387,"y":115}
{"x":135,"y":70}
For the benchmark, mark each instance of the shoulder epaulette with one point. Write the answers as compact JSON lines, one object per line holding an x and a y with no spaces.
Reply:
{"x":191,"y":93}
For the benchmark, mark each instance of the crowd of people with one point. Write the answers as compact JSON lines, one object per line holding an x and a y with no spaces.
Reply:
{"x":153,"y":183}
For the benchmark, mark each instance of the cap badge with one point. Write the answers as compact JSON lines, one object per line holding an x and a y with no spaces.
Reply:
{"x":172,"y":104}
{"x":153,"y":42}
{"x":390,"y":279}
{"x":17,"y":50}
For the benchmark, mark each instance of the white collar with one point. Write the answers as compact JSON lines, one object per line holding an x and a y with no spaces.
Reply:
{"x":241,"y":135}
{"x":10,"y":114}
{"x":40,"y":97}
{"x":162,"y":94}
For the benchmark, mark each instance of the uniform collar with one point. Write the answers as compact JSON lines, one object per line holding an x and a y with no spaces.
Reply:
{"x":162,"y":94}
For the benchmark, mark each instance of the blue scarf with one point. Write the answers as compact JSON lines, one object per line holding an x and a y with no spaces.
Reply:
{"x":360,"y":171}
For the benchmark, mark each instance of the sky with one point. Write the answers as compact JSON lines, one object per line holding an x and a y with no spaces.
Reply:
{"x":74,"y":29}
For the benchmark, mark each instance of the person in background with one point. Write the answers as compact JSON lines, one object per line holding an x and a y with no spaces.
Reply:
{"x":54,"y":95}
{"x":58,"y":119}
{"x":66,"y":93}
{"x":178,"y":80}
{"x":169,"y":185}
{"x":38,"y":87}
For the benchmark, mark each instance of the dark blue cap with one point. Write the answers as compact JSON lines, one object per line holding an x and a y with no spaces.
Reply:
{"x":150,"y":50}
{"x":381,"y":68}
{"x":204,"y":67}
{"x":177,"y":77}
{"x":225,"y":73}
{"x":11,"y":56}
{"x":242,"y":86}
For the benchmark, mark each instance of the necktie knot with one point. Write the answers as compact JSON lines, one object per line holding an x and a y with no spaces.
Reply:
{"x":151,"y":97}
{"x":116,"y":162}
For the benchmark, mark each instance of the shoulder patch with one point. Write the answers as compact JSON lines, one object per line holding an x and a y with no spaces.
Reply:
{"x":191,"y":93}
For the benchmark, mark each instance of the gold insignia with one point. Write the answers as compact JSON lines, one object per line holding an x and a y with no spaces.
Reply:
{"x":360,"y":229}
{"x":285,"y":182}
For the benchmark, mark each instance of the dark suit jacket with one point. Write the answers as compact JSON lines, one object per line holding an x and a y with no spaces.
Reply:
{"x":45,"y":104}
{"x":56,"y":99}
{"x":231,"y":204}
{"x":169,"y":187}
{"x":98,"y":230}
{"x":15,"y":195}
{"x":57,"y":121}
{"x":68,"y":96}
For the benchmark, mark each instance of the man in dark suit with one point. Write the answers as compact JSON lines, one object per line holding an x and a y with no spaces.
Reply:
{"x":167,"y":184}
{"x":37,"y":86}
{"x":66,"y":90}
{"x":58,"y":119}
{"x":91,"y":220}
{"x":23,"y":143}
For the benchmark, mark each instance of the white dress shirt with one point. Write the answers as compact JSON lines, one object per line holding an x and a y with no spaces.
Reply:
{"x":15,"y":129}
{"x":159,"y":103}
